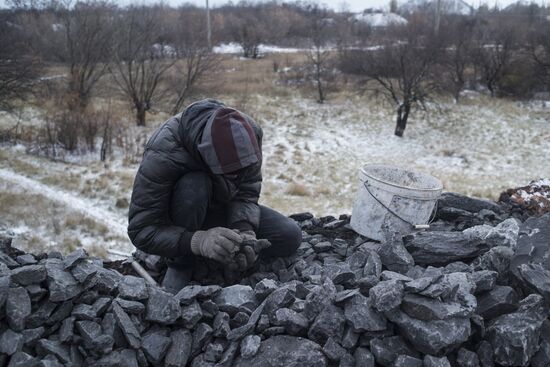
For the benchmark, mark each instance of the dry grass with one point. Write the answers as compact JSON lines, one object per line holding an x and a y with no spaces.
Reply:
{"x":297,"y":189}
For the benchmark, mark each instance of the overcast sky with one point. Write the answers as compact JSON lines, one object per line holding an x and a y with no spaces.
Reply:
{"x":353,"y":5}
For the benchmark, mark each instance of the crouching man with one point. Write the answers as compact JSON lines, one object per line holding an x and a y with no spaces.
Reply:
{"x":196,"y":195}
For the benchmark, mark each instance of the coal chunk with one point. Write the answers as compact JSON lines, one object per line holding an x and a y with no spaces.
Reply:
{"x":329,"y":323}
{"x":431,"y":361}
{"x":11,"y":342}
{"x":441,"y":248}
{"x":155,"y":345}
{"x":386,"y":295}
{"x":127,"y":326}
{"x":162,"y":307}
{"x":396,"y":257}
{"x":284,"y":350}
{"x":359,"y":314}
{"x":180,"y":349}
{"x":61,"y":284}
{"x":432,"y":337}
{"x":250,"y":346}
{"x":18,"y":308}
{"x":499,"y":301}
{"x":515,"y":336}
{"x":29,"y":274}
{"x":236,"y":298}
{"x":132,"y":288}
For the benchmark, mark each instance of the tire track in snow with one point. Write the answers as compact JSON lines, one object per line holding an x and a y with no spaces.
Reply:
{"x":115,"y":223}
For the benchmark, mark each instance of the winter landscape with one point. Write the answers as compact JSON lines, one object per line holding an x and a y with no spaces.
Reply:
{"x":456,"y":91}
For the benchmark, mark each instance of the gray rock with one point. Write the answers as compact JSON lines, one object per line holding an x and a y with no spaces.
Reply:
{"x":293,"y":322}
{"x":407,"y":361}
{"x":4,"y":289}
{"x":466,"y":203}
{"x":191,"y":314}
{"x":282,"y":297}
{"x":101,"y":305}
{"x":347,"y":360}
{"x":74,"y":257}
{"x":213,"y":352}
{"x":192,"y":292}
{"x":363,"y":358}
{"x":533,"y":245}
{"x":84,"y":312}
{"x":339,"y":273}
{"x":22,"y":359}
{"x":10,"y":342}
{"x":333,"y":350}
{"x":155,"y":346}
{"x":431,"y":361}
{"x":29,"y":274}
{"x":485,"y":280}
{"x":132,"y":288}
{"x":61,"y":284}
{"x":84,"y":270}
{"x":30,"y":336}
{"x":201,"y":337}
{"x":504,"y":234}
{"x":60,"y":351}
{"x":537,"y":278}
{"x":119,"y":358}
{"x":432,"y":337}
{"x":499,"y":301}
{"x":322,"y":247}
{"x":89,"y":330}
{"x":162,"y":307}
{"x":515,"y":336}
{"x":250,"y":346}
{"x":425,"y":308}
{"x":264,"y":288}
{"x":61,"y":312}
{"x":25,"y":259}
{"x":542,"y":357}
{"x":18,"y":308}
{"x":236,"y":298}
{"x":284,"y":350}
{"x":105,"y":281}
{"x":221,"y":325}
{"x":329,"y":323}
{"x":387,"y":350}
{"x":392,"y":275}
{"x":395,"y":257}
{"x":41,"y":315}
{"x":8,"y":261}
{"x":496,"y":259}
{"x":485,"y":354}
{"x":362,"y":317}
{"x":350,"y":338}
{"x":386,"y":295}
{"x":126,"y":326}
{"x":66,"y":331}
{"x":431,"y":248}
{"x":420,"y":284}
{"x":180,"y":348}
{"x":467,"y":358}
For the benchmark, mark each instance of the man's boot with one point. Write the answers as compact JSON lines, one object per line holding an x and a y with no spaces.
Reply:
{"x":175,"y":279}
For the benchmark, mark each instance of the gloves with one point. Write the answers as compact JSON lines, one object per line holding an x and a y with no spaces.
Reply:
{"x":217,"y":243}
{"x":250,"y":249}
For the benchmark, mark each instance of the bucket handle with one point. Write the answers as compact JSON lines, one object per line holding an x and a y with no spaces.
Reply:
{"x":415,"y":226}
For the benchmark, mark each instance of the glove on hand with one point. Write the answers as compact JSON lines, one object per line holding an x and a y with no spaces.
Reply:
{"x":217,"y":243}
{"x":250,"y":249}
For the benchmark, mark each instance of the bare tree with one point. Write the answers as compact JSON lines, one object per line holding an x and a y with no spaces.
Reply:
{"x":245,"y":26}
{"x":137,"y":69}
{"x":195,"y":58}
{"x":319,"y":56}
{"x":401,"y":69}
{"x":18,"y":67}
{"x":539,"y":49}
{"x":87,"y":29}
{"x":492,"y":53}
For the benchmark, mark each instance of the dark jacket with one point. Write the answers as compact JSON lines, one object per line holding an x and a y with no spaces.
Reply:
{"x":171,"y":152}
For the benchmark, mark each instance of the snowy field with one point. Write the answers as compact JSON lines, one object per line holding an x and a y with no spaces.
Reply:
{"x":312,"y":156}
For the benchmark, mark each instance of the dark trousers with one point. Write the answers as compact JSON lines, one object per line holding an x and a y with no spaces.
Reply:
{"x":194,"y":208}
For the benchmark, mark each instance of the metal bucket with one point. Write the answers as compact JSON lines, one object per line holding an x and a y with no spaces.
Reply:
{"x":393,"y":199}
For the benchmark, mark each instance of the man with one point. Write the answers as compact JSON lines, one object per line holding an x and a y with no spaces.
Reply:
{"x":196,"y":194}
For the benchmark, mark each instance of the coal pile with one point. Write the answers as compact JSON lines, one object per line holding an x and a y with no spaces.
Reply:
{"x":473,"y":290}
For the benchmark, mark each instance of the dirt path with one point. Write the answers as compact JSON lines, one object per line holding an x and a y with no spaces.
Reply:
{"x":115,"y":223}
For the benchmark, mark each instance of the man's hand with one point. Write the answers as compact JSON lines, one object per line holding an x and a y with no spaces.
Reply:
{"x":217,"y":243}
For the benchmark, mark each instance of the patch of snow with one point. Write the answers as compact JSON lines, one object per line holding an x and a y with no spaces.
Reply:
{"x":235,"y":48}
{"x":115,"y":223}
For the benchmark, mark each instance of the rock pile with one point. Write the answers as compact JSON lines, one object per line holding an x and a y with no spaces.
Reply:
{"x":473,"y":290}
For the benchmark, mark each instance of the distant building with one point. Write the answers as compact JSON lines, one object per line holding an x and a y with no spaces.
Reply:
{"x":379,"y":20}
{"x":447,"y":6}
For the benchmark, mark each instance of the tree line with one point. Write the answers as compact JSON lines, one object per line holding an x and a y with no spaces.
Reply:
{"x":156,"y":52}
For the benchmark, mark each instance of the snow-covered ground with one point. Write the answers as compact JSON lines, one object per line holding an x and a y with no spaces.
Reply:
{"x":312,"y":157}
